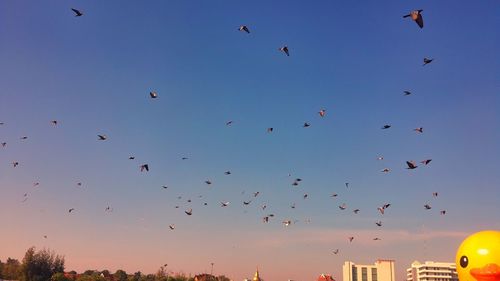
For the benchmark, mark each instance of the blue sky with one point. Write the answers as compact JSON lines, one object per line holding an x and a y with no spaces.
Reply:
{"x":94,"y":74}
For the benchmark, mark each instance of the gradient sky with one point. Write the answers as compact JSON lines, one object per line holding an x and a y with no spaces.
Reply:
{"x":353,"y":58}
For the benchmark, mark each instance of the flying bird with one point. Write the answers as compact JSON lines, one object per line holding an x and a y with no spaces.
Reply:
{"x":24,"y":137}
{"x":270,"y":129}
{"x":434,"y":194}
{"x":419,"y":130}
{"x":322,"y":112}
{"x":427,"y":207}
{"x":227,"y":172}
{"x":411,"y":165}
{"x":184,"y":158}
{"x":426,"y":161}
{"x":417,"y":17}
{"x":54,"y":122}
{"x":427,"y":61}
{"x":229,"y":123}
{"x":284,"y":49}
{"x":102,"y":137}
{"x":255,"y":194}
{"x":189,"y":212}
{"x":164,"y":186}
{"x":336,"y":251}
{"x":306,"y":125}
{"x":244,"y":28}
{"x":347,"y":185}
{"x":78,"y":184}
{"x":172,"y":226}
{"x":4,"y":144}
{"x":131,"y":157}
{"x":407,"y":93}
{"x":305,"y":196}
{"x":247,"y":202}
{"x":381,"y":210}
{"x":35,"y":184}
{"x":379,"y":223}
{"x":350,"y":238}
{"x":287,"y":222}
{"x":208,"y":182}
{"x":386,"y":127}
{"x":292,"y":206}
{"x":224,"y":204}
{"x":78,"y":13}
{"x":343,"y":206}
{"x":153,"y":95}
{"x":144,"y":167}
{"x":356,"y":211}
{"x":15,"y":164}
{"x":45,"y":236}
{"x":334,"y":195}
{"x":380,"y":158}
{"x":265,"y":219}
{"x":385,"y":170}
{"x":377,"y":239}
{"x":71,"y":210}
{"x":443,"y":212}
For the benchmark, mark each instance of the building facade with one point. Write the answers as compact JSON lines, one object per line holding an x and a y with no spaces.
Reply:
{"x":382,"y":270}
{"x":432,"y":271}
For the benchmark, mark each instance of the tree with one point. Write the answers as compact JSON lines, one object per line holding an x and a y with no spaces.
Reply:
{"x":59,"y":277}
{"x":40,"y":266}
{"x":120,"y":275}
{"x":11,"y":269}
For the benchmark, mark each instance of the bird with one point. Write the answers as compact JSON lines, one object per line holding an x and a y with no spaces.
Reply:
{"x":153,"y":95}
{"x":322,"y":112}
{"x":306,"y":125}
{"x":292,"y":206}
{"x":380,"y":158}
{"x":381,"y":210}
{"x":305,"y":196}
{"x":298,"y":179}
{"x":255,"y":194}
{"x":377,"y":239}
{"x":78,"y":13}
{"x":434,"y":194}
{"x":172,"y":226}
{"x":442,"y":212}
{"x":78,"y":184}
{"x":386,"y":127}
{"x":15,"y":164}
{"x":263,"y":207}
{"x":295,"y":183}
{"x":385,"y":170}
{"x":284,"y":49}
{"x":244,"y":28}
{"x":347,"y":185}
{"x":35,"y":184}
{"x":229,"y":123}
{"x":71,"y":210}
{"x":387,"y":205}
{"x":208,"y":182}
{"x":45,"y":236}
{"x":224,"y":204}
{"x":131,"y":157}
{"x":247,"y":202}
{"x":4,"y":144}
{"x":427,"y":61}
{"x":417,"y":17}
{"x":102,"y":137}
{"x":379,"y":223}
{"x":411,"y":165}
{"x":164,"y":186}
{"x":407,"y":93}
{"x":24,"y":137}
{"x":356,"y":211}
{"x":343,"y":206}
{"x":108,"y":209}
{"x":419,"y":130}
{"x":54,"y":122}
{"x":350,"y":238}
{"x":270,"y":129}
{"x":265,"y":219}
{"x":426,"y":161}
{"x":227,"y":172}
{"x":334,"y":195}
{"x":287,"y":222}
{"x":336,"y":251}
{"x":144,"y":167}
{"x":427,"y":207}
{"x":189,"y":212}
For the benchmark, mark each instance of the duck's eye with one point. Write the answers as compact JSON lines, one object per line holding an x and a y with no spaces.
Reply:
{"x":464,"y":261}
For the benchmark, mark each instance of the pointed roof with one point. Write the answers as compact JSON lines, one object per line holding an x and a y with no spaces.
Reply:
{"x":256,"y":276}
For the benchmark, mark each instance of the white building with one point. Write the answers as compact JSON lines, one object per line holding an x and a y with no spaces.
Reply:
{"x":382,"y":270}
{"x":432,"y":271}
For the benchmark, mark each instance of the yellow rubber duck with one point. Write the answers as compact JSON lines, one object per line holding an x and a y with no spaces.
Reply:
{"x":478,"y":257}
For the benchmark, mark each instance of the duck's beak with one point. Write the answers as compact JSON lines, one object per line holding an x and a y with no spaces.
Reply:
{"x":489,"y":272}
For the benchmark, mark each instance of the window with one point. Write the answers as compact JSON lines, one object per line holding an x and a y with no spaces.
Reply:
{"x":354,"y":274}
{"x":364,"y":274}
{"x":374,"y":274}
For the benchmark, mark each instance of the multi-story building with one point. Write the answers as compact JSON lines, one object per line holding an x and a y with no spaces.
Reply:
{"x":432,"y":271}
{"x":382,"y":270}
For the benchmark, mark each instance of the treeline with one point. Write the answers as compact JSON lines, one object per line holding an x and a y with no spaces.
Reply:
{"x":45,"y":265}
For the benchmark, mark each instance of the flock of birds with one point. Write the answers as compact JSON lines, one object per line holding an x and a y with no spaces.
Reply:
{"x":416,"y":16}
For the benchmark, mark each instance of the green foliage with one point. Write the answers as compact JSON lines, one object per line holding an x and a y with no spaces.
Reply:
{"x":59,"y":277}
{"x":40,"y":266}
{"x":11,"y":269}
{"x":120,"y":275}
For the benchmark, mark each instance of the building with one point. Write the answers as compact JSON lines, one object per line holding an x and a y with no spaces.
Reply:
{"x":256,"y":277}
{"x":432,"y":271}
{"x":382,"y":270}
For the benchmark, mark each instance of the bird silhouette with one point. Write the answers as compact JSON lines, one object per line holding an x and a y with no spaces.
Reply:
{"x":144,"y":167}
{"x":426,"y":161}
{"x":102,"y":137}
{"x":411,"y":165}
{"x":427,"y":207}
{"x":379,"y":223}
{"x":427,"y":61}
{"x":419,"y":130}
{"x":284,"y":49}
{"x":417,"y":17}
{"x":78,"y":13}
{"x":386,"y":127}
{"x":244,"y":28}
{"x":189,"y":212}
{"x":322,"y":112}
{"x":407,"y":93}
{"x":153,"y":95}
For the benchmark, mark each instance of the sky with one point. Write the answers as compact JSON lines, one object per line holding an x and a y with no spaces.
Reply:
{"x":93,"y":74}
